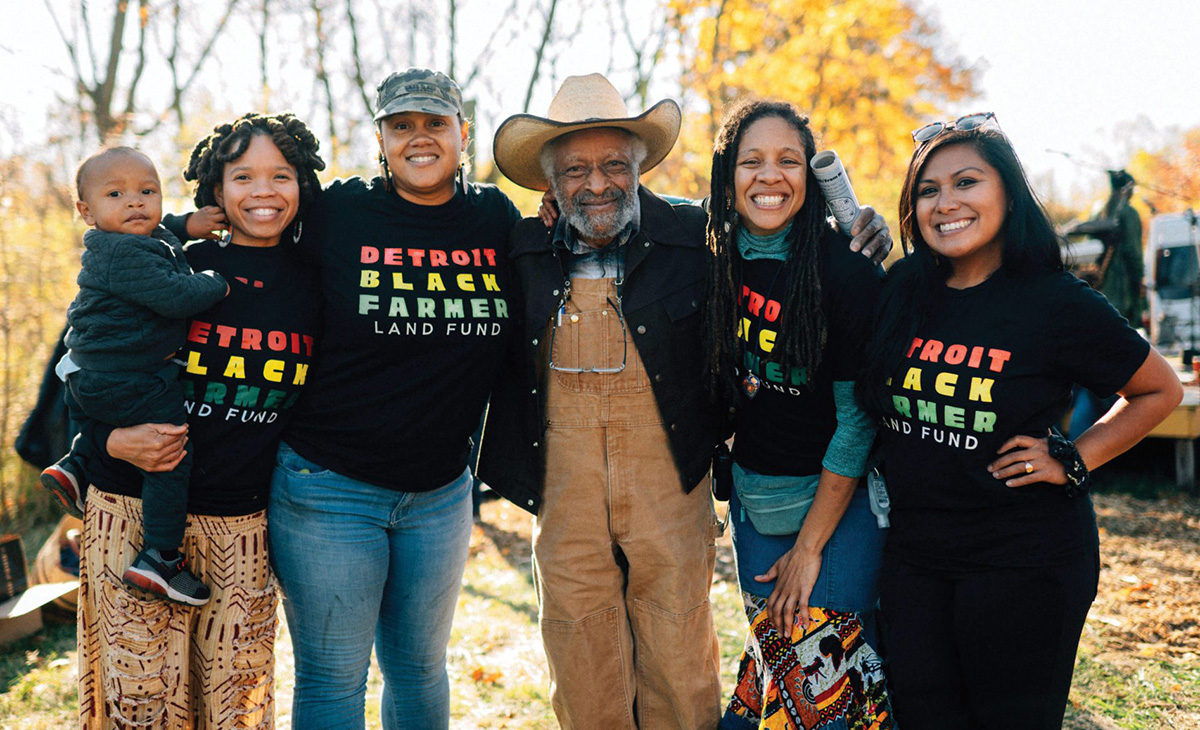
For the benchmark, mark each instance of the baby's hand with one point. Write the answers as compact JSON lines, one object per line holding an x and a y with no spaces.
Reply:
{"x":205,"y":222}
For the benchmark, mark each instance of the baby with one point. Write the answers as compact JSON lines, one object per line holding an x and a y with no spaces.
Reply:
{"x":136,"y":292}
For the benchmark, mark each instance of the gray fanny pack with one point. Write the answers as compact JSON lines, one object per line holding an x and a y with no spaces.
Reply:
{"x":776,"y":505}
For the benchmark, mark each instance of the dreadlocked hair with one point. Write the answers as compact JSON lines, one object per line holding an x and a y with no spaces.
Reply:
{"x":228,"y":142}
{"x":802,"y":326}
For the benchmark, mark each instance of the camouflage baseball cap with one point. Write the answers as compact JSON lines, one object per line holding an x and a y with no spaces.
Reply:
{"x":418,"y":90}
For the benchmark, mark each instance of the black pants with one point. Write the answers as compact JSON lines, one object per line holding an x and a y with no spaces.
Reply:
{"x":128,"y":398}
{"x":981,"y":649}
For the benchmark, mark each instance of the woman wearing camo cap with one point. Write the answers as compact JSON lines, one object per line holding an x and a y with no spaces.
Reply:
{"x":371,"y":500}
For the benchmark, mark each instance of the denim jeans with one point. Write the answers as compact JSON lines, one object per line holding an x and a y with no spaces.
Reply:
{"x":362,"y":565}
{"x":850,"y":562}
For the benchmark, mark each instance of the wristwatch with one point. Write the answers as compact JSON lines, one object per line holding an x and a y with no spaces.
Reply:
{"x":1079,"y":480}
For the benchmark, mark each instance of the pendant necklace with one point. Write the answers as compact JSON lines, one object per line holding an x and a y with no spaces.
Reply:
{"x":751,"y":382}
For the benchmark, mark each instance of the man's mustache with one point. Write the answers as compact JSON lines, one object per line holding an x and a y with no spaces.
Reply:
{"x":584,"y":197}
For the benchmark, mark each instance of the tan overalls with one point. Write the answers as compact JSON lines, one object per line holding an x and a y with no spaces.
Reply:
{"x":623,"y":557}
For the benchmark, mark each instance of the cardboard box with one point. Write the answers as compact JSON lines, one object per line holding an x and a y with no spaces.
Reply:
{"x":21,"y":615}
{"x":21,"y":606}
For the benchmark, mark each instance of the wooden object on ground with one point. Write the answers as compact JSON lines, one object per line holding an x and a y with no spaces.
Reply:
{"x":20,"y":606}
{"x":48,"y":567}
{"x":1183,"y":426}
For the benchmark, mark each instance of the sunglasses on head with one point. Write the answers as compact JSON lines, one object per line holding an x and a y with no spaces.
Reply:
{"x":921,"y":135}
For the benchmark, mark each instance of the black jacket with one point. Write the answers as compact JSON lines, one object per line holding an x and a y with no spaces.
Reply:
{"x":135,"y":295}
{"x":665,"y":287}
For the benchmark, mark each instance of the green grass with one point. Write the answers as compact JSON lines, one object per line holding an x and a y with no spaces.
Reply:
{"x":497,"y":667}
{"x":496,"y":664}
{"x":1146,"y":695}
{"x":38,"y":676}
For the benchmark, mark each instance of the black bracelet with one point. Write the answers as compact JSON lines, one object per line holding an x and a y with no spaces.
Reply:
{"x":1062,"y":449}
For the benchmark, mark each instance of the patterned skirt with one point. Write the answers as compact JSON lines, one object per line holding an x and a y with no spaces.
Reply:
{"x":827,"y":677}
{"x":149,"y":664}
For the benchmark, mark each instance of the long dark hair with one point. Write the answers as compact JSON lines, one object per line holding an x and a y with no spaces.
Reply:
{"x":1030,"y":246}
{"x":228,"y":142}
{"x":802,"y":328}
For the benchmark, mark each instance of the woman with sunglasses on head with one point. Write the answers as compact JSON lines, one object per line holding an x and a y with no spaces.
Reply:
{"x":789,"y":314}
{"x":992,"y":558}
{"x":371,"y":498}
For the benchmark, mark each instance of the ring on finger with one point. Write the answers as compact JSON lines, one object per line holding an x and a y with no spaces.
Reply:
{"x":1029,"y":467}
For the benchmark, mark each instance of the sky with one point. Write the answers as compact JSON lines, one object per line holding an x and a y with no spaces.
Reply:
{"x":1079,"y":76}
{"x":1088,"y":77}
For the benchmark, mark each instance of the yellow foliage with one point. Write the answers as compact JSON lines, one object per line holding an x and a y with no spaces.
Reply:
{"x":1173,"y":170}
{"x":39,"y":258}
{"x":866,"y":71}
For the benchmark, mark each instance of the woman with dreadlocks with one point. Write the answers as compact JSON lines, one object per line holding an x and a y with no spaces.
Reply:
{"x":152,"y":663}
{"x":789,"y":312}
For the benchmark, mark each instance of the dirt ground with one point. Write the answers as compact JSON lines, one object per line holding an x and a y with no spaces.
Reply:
{"x":1150,"y":583}
{"x":1145,"y":622}
{"x":1138,"y":667}
{"x":1140,"y":652}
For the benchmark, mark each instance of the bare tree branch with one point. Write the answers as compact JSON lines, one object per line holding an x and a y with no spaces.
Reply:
{"x":644,"y":59}
{"x":453,"y":34}
{"x":143,"y":21}
{"x":67,"y":42}
{"x":384,"y":22}
{"x":547,"y":32}
{"x":414,"y":17}
{"x":323,"y":75}
{"x":359,"y":81}
{"x":485,"y":55}
{"x":178,"y":90}
{"x":102,"y":93}
{"x":173,"y":64}
{"x":262,"y":51}
{"x":87,"y":36}
{"x":713,"y":118}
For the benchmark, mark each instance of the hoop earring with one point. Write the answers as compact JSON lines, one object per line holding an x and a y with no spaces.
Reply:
{"x":387,"y":173}
{"x":296,"y":231}
{"x":226,"y":237}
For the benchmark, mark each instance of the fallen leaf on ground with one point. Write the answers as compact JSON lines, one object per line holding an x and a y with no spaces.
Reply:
{"x":482,"y":676}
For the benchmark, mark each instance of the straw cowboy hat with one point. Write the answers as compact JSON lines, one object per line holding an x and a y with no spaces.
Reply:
{"x":583,"y":102}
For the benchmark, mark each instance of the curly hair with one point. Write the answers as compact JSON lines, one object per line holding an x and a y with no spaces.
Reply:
{"x":229,"y":141}
{"x":803,"y":322}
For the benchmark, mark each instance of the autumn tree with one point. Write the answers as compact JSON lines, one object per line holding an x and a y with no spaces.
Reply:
{"x":38,"y":258}
{"x":1169,"y":177}
{"x":866,"y":71}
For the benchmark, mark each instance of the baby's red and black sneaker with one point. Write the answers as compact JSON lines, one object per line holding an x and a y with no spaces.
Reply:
{"x":66,"y":481}
{"x":169,"y":578}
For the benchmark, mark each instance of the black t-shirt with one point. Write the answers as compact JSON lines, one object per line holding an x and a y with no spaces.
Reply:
{"x":991,"y":362}
{"x":416,"y":319}
{"x":786,"y":427}
{"x":248,"y":358}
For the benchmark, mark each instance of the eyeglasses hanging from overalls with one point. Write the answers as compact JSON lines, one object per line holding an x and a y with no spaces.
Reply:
{"x":565,"y":318}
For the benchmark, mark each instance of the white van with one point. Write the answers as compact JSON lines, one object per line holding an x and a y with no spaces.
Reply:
{"x":1173,"y":281}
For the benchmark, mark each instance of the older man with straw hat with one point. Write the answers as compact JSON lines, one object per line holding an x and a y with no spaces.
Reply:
{"x":601,"y":425}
